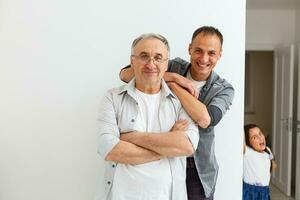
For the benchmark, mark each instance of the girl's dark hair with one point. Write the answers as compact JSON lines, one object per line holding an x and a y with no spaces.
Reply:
{"x":247,"y":128}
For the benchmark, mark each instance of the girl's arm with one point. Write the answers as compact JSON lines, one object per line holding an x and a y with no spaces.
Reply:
{"x":273,"y":165}
{"x":273,"y":162}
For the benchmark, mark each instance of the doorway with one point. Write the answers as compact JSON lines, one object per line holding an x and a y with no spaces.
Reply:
{"x":259,"y":100}
{"x":259,"y":94}
{"x":259,"y":75}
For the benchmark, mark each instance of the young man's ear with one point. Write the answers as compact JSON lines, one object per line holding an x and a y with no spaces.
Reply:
{"x":190,"y":49}
{"x":221,"y":53}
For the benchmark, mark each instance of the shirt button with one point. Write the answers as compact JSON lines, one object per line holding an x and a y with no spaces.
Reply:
{"x":113,"y":166}
{"x":132,"y":120}
{"x":108,"y":182}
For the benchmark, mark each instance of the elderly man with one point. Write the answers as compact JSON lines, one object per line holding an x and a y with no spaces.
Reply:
{"x":145,"y":133}
{"x":213,"y":98}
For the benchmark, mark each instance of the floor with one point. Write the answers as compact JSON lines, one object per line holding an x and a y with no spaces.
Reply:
{"x":276,"y":194}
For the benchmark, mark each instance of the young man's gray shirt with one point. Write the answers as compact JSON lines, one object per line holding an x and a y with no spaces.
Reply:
{"x":217,"y":94}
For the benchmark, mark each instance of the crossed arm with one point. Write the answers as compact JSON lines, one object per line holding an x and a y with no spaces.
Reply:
{"x":141,"y":147}
{"x":138,"y":147}
{"x":128,"y":153}
{"x":174,"y":143}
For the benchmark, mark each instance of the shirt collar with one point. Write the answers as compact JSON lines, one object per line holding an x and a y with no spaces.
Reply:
{"x":211,"y":78}
{"x":130,"y":89}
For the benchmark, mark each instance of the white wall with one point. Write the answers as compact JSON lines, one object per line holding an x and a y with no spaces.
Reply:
{"x":58,"y":58}
{"x":268,"y":28}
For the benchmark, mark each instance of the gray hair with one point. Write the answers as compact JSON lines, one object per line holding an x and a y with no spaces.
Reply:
{"x":150,"y":36}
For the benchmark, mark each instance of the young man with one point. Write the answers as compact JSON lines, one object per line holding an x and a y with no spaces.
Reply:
{"x":145,"y":134}
{"x":207,"y":101}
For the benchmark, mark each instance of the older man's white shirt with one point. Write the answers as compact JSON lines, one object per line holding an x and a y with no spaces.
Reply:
{"x":151,"y":180}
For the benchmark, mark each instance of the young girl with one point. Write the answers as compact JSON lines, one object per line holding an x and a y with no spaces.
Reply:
{"x":258,"y":164}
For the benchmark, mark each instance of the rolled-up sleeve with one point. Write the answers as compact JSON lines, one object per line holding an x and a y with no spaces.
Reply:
{"x":108,"y":131}
{"x":223,"y":99}
{"x":192,"y":131}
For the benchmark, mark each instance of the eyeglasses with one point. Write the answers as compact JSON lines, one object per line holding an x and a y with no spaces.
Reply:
{"x":145,"y":59}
